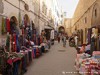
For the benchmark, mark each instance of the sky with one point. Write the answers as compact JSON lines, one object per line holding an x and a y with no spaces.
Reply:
{"x":68,"y":6}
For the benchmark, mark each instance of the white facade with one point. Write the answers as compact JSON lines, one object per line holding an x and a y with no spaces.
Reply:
{"x":52,"y":13}
{"x":11,"y":8}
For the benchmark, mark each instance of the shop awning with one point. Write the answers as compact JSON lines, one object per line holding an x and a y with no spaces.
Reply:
{"x":48,"y":27}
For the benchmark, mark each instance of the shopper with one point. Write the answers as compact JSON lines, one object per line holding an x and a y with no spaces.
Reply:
{"x":59,"y":38}
{"x":64,"y":40}
{"x":82,"y":49}
{"x":76,"y":40}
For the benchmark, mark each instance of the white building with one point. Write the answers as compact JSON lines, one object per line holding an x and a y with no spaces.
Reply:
{"x":50,"y":12}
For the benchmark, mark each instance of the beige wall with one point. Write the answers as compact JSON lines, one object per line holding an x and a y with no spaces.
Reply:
{"x":68,"y":24}
{"x":82,"y":7}
{"x":11,"y":8}
{"x":86,"y":9}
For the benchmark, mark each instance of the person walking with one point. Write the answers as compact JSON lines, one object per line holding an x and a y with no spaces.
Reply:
{"x":64,"y":40}
{"x":59,"y":38}
{"x":76,"y":40}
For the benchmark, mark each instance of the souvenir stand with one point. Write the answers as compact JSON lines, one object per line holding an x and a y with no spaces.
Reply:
{"x":17,"y":49}
{"x":37,"y":41}
{"x":48,"y":32}
{"x":14,"y":58}
{"x":87,"y":65}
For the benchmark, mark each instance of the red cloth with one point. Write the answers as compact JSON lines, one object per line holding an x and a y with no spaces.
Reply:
{"x":22,"y":31}
{"x":10,"y":61}
{"x":40,"y":40}
{"x":8,"y":25}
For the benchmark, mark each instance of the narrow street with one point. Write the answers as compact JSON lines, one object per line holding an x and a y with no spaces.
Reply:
{"x":57,"y":61}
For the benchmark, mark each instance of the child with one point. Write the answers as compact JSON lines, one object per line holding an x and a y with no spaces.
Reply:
{"x":82,"y":50}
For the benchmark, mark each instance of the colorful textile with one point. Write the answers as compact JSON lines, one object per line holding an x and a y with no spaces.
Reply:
{"x":3,"y":26}
{"x":17,"y":44}
{"x":8,"y":43}
{"x":8,"y":25}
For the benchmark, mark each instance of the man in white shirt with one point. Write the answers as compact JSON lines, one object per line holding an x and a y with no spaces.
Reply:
{"x":52,"y":37}
{"x":76,"y":40}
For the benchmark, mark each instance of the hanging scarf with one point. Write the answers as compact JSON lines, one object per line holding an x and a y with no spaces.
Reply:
{"x":34,"y":39}
{"x":3,"y":26}
{"x":11,"y":46}
{"x":17,"y":44}
{"x":8,"y":43}
{"x":14,"y":48}
{"x":8,"y":25}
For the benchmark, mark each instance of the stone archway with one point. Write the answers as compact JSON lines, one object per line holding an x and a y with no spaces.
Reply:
{"x":61,"y":29}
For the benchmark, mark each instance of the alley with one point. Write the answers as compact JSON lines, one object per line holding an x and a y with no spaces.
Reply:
{"x":57,"y":61}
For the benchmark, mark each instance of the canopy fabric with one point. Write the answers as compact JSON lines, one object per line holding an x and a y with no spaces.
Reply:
{"x":48,"y":27}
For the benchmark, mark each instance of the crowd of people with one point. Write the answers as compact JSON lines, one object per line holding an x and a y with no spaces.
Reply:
{"x":62,"y":37}
{"x":73,"y":40}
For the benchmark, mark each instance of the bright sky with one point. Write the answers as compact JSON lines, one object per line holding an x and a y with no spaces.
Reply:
{"x":68,"y":6}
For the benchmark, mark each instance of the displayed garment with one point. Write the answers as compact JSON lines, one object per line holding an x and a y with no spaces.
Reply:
{"x":93,"y":48}
{"x":99,"y":42}
{"x":8,"y":43}
{"x":17,"y":44}
{"x":3,"y":27}
{"x":17,"y":59}
{"x":8,"y":25}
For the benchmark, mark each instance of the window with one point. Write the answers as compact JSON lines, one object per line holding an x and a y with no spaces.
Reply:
{"x":95,"y":12}
{"x":43,"y":5}
{"x":85,"y":20}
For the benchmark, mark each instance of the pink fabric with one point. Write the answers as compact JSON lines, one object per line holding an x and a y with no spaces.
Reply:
{"x":16,"y":59}
{"x":8,"y":25}
{"x":10,"y":61}
{"x":96,"y":53}
{"x":78,"y":56}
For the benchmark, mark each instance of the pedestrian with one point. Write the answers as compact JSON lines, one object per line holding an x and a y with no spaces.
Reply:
{"x":62,"y":37}
{"x":64,"y":40}
{"x":82,"y":49}
{"x":52,"y":37}
{"x":76,"y":40}
{"x":59,"y":38}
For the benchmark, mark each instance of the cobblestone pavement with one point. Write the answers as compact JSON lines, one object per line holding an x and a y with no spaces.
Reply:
{"x":55,"y":62}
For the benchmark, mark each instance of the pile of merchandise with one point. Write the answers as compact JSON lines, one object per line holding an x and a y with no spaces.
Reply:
{"x":87,"y":65}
